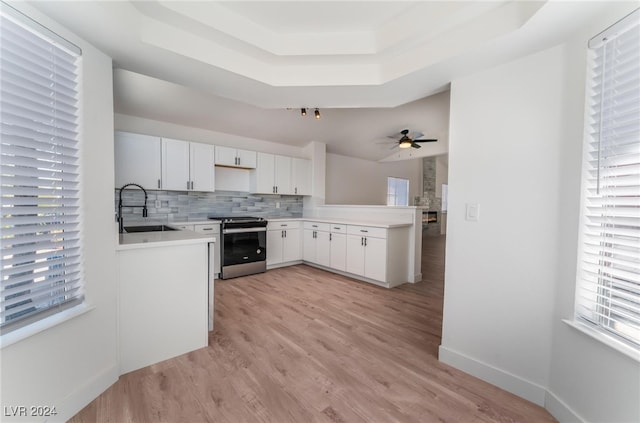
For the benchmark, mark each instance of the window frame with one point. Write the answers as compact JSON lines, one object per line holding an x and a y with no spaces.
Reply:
{"x":392,"y":185}
{"x":67,"y":299}
{"x":588,"y":303}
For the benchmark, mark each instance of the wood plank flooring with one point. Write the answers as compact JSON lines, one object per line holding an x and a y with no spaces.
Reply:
{"x":299,"y":344}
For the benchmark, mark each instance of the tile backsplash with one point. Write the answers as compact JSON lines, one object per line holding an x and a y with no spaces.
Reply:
{"x":175,"y":206}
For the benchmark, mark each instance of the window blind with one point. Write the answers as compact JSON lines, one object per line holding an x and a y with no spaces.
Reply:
{"x":39,"y":180}
{"x":608,"y":291}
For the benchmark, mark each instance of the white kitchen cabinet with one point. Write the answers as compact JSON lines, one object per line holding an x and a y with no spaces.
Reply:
{"x":234,"y":157}
{"x":301,"y":176}
{"x":137,"y":160}
{"x":214,"y":230}
{"x":187,"y":166}
{"x":338,"y":250}
{"x":272,"y":175}
{"x":201,"y":167}
{"x":317,"y":243}
{"x":283,"y":242}
{"x":367,"y":252}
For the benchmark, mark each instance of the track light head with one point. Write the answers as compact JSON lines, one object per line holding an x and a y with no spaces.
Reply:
{"x":303,"y":111}
{"x":317,"y":113}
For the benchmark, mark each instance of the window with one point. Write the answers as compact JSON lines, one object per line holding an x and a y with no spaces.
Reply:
{"x":608,"y":288}
{"x":39,"y":200}
{"x":397,"y":191}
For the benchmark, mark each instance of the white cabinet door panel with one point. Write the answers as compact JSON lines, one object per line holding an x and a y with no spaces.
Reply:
{"x":137,"y":160}
{"x":309,"y":247}
{"x":291,"y":247}
{"x":175,"y":165}
{"x":375,"y":266}
{"x":282,"y":175}
{"x":202,"y":166}
{"x":323,"y":248}
{"x":246,"y":158}
{"x":338,"y":259}
{"x":301,"y":176}
{"x":355,"y":254}
{"x":225,"y":156}
{"x":274,"y":247}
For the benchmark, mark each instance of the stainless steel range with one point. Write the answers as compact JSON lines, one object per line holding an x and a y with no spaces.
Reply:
{"x":243,"y":250}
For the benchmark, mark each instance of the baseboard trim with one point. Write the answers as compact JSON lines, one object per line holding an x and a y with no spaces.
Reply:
{"x":500,"y":378}
{"x":84,"y":394}
{"x":561,"y":411}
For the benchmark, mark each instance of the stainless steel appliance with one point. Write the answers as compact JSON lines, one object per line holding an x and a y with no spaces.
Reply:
{"x":243,"y":250}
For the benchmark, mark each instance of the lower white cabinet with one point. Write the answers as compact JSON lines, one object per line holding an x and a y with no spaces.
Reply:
{"x":284,"y":242}
{"x":214,"y":230}
{"x":338,"y":248}
{"x":367,"y":252}
{"x":317,"y":243}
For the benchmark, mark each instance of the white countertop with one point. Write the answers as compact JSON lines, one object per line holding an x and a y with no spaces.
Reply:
{"x":387,"y":225}
{"x":160,"y":239}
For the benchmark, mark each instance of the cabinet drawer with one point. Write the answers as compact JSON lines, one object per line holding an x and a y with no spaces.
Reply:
{"x":367,"y":231}
{"x":338,"y":228}
{"x":207,"y":229}
{"x":187,"y":227}
{"x":284,"y":224}
{"x":318,"y":226}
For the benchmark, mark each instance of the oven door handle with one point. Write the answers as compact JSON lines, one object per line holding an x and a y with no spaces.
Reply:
{"x":243,"y":230}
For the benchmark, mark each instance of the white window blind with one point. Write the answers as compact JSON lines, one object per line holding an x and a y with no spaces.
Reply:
{"x":608,"y":290}
{"x":40,"y":221}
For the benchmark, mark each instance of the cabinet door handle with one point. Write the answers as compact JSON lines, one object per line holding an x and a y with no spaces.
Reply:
{"x":158,"y":183}
{"x":187,"y":184}
{"x":361,"y":241}
{"x":296,"y":190}
{"x":363,"y":230}
{"x":238,"y":161}
{"x":284,"y":224}
{"x":191,"y":184}
{"x":314,"y":226}
{"x":207,"y":229}
{"x":285,"y":234}
{"x":276,"y":189}
{"x":365,"y":242}
{"x":281,"y":234}
{"x":330,"y":237}
{"x":336,"y":227}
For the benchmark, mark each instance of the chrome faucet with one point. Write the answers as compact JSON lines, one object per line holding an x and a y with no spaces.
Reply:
{"x":144,"y":208}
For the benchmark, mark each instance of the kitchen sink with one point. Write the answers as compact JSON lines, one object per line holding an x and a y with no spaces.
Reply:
{"x":149,"y":228}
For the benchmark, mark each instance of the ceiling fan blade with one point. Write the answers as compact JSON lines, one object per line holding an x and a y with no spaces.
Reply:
{"x":425,"y":140}
{"x":414,"y":145}
{"x":417,"y":135}
{"x":393,"y":146}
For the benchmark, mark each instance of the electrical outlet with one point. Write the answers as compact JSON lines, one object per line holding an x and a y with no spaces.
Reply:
{"x":277,"y":205}
{"x":158,"y":204}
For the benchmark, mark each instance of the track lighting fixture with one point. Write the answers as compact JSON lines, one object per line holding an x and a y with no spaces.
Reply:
{"x":303,"y":111}
{"x":317,"y":113}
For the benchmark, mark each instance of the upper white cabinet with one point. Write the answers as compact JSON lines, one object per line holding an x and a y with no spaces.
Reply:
{"x":301,"y":176}
{"x":233,"y":157}
{"x":272,"y":175}
{"x":137,"y":160}
{"x":201,"y":166}
{"x":187,"y":166}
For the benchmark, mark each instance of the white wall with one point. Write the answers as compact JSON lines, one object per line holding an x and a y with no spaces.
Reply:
{"x":515,"y":149}
{"x":357,"y":181}
{"x":70,"y":364}
{"x":501,"y":271}
{"x":596,"y":382}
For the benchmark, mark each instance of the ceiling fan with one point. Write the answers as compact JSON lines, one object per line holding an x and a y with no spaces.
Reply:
{"x":407,"y":141}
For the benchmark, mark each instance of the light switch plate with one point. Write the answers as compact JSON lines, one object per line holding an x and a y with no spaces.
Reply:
{"x":473,"y":212}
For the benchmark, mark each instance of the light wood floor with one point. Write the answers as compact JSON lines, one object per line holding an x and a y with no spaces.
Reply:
{"x":299,"y":344}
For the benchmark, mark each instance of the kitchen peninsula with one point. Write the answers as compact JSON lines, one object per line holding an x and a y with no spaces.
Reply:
{"x":162,"y":295}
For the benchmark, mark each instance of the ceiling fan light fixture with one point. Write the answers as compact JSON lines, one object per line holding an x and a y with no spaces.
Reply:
{"x":303,"y":111}
{"x":405,"y":144}
{"x":317,"y":113}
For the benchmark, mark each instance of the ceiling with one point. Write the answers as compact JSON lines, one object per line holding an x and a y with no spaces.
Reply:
{"x":372,"y":67}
